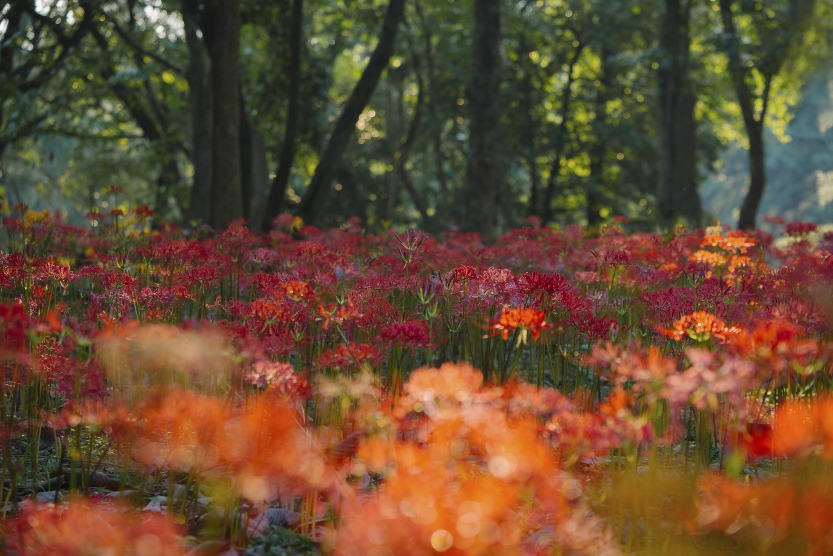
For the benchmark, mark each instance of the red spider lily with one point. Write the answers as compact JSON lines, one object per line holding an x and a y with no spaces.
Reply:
{"x":277,"y":376}
{"x":539,"y":287}
{"x":495,"y":286}
{"x":269,"y":311}
{"x":14,"y":326}
{"x":312,"y":249}
{"x":143,"y":212}
{"x":350,"y":355}
{"x":524,"y":320}
{"x":800,"y":229}
{"x":408,"y":333}
{"x":616,"y":257}
{"x":336,"y":313}
{"x":297,"y":291}
{"x":463,"y":273}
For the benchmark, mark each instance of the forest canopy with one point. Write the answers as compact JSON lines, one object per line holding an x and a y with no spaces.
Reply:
{"x":478,"y":114}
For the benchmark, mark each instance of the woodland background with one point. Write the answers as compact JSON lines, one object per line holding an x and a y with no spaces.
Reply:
{"x":477,"y":114}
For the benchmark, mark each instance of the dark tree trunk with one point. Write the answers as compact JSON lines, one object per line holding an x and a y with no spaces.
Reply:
{"x":677,"y":185}
{"x":199,"y":97}
{"x":223,"y":39}
{"x":169,"y":176}
{"x":254,"y":173}
{"x":483,"y":173}
{"x":445,"y":200}
{"x":345,"y":127}
{"x":757,"y":178}
{"x":277,"y":194}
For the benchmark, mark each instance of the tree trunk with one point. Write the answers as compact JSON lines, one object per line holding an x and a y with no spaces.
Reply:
{"x":223,"y":38}
{"x":169,"y":176}
{"x":277,"y":193}
{"x":757,"y":178}
{"x":484,"y":162}
{"x":254,"y":171}
{"x":199,"y":97}
{"x":345,"y":127}
{"x":677,"y":184}
{"x":403,"y":151}
{"x":753,"y":120}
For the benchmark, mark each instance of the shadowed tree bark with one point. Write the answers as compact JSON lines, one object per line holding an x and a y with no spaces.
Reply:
{"x":223,"y":39}
{"x":677,"y":185}
{"x":483,"y":174}
{"x":199,"y":97}
{"x":345,"y":127}
{"x":277,"y":193}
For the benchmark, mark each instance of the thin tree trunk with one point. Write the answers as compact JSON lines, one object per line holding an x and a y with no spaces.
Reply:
{"x":753,"y":121}
{"x":277,"y":193}
{"x":484,"y":165}
{"x":757,"y":179}
{"x":404,"y":150}
{"x":345,"y":127}
{"x":445,"y":199}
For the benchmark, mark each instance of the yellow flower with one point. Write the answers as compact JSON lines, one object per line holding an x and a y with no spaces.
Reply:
{"x":34,"y":217}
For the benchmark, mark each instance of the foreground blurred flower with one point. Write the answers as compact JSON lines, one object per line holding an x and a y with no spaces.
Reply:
{"x":776,"y":516}
{"x":139,"y":357}
{"x":84,"y":527}
{"x":277,"y":376}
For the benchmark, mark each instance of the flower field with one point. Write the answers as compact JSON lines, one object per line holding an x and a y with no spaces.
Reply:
{"x":554,"y":392}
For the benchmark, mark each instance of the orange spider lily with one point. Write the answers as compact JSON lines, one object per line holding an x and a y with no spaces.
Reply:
{"x":524,"y":319}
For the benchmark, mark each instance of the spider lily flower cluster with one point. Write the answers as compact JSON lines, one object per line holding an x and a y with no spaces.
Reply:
{"x":555,"y":391}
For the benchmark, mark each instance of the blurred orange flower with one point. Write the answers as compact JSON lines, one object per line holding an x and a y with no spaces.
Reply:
{"x":84,"y":527}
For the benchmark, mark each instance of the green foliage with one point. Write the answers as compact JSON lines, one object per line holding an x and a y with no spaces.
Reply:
{"x":100,"y":95}
{"x":281,"y":542}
